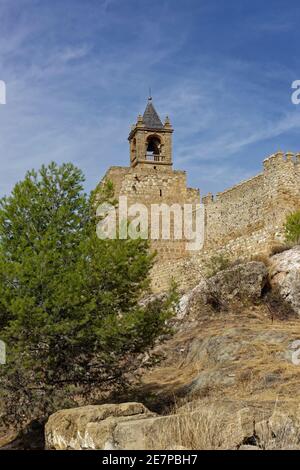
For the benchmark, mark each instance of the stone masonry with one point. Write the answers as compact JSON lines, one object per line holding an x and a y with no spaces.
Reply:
{"x":150,"y":179}
{"x":243,"y":221}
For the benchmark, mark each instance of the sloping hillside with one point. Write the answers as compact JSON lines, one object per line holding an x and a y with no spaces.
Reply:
{"x":231,"y":364}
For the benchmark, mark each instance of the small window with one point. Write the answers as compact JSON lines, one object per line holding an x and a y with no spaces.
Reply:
{"x":160,"y":193}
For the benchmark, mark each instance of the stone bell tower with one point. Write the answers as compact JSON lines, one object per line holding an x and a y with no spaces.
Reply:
{"x":151,"y":141}
{"x":151,"y":180}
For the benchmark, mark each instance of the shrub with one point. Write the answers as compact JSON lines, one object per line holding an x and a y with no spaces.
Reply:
{"x":292,"y":227}
{"x":217,"y":263}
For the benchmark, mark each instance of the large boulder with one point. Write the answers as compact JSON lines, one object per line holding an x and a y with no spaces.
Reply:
{"x":243,"y":281}
{"x":130,"y":426}
{"x":90,"y":427}
{"x":197,"y":425}
{"x":285,"y":276}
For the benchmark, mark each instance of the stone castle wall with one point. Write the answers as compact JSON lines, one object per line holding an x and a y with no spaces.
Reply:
{"x":251,"y":215}
{"x":242,"y":221}
{"x":147,"y":185}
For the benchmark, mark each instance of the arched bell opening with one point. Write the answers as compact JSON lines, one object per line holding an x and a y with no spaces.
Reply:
{"x":153,"y":148}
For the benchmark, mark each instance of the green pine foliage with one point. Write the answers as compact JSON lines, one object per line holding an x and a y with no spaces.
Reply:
{"x":292,"y":228}
{"x":69,"y":310}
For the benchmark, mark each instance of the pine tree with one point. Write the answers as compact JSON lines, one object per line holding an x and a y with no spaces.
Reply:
{"x":69,"y":310}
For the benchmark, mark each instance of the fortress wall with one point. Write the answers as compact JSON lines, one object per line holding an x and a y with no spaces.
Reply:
{"x":185,"y":272}
{"x":147,"y":186}
{"x":253,"y":213}
{"x":116,"y":175}
{"x":241,"y":222}
{"x":282,"y":186}
{"x":151,"y":187}
{"x":234,"y":213}
{"x":192,"y":196}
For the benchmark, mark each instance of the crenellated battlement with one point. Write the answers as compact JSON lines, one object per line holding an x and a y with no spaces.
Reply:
{"x":274,"y":161}
{"x":279,"y":158}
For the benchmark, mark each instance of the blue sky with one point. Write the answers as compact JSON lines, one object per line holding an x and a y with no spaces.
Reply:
{"x":78,"y":73}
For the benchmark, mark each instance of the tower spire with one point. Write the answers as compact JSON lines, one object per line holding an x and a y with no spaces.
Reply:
{"x":150,"y":117}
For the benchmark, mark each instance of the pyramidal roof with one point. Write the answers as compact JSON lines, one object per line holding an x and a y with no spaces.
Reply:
{"x":150,"y":117}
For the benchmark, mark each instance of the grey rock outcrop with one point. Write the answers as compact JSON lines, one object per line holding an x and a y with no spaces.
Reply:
{"x":241,"y":281}
{"x":285,"y":275}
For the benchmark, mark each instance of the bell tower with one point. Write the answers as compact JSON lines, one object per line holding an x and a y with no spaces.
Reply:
{"x":150,"y":140}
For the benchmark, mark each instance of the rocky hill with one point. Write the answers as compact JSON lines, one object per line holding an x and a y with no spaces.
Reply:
{"x":226,"y":378}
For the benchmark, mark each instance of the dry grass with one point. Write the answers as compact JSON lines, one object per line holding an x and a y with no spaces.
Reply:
{"x":280,"y":248}
{"x":261,"y":258}
{"x":286,"y":438}
{"x":208,"y":426}
{"x":259,"y":359}
{"x":263,"y":377}
{"x":196,"y":430}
